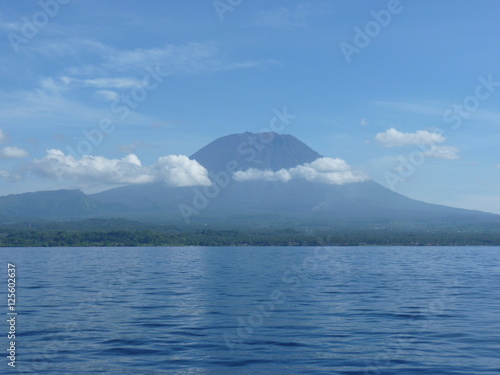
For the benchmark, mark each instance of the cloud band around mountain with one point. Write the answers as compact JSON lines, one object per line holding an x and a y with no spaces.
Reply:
{"x":174,"y":170}
{"x":325,"y":170}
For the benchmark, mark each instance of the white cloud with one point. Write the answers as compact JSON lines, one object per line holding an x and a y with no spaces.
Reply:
{"x":105,"y":82}
{"x":8,"y":25}
{"x":179,"y":170}
{"x":4,"y":173}
{"x":443,"y":152}
{"x":12,"y":176}
{"x":108,"y":95}
{"x":51,"y":85}
{"x":44,"y":105}
{"x":426,"y":141}
{"x":12,"y":152}
{"x":325,"y":170}
{"x":393,"y":138}
{"x":62,"y":45}
{"x":119,"y":83}
{"x":188,"y":58}
{"x":113,"y":70}
{"x":3,"y":137}
{"x":267,"y":175}
{"x":174,"y":170}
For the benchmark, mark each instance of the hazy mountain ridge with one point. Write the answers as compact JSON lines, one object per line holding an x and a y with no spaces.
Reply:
{"x":55,"y":204}
{"x":255,"y":202}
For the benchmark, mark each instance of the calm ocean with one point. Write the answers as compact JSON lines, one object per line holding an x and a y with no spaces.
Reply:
{"x":250,"y":310}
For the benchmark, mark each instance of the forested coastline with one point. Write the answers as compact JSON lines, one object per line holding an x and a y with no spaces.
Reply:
{"x":126,"y":233}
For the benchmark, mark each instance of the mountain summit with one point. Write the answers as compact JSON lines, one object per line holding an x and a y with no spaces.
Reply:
{"x":279,"y":182}
{"x":266,"y":151}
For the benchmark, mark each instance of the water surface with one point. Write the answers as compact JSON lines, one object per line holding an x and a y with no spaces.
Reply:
{"x":249,"y":310}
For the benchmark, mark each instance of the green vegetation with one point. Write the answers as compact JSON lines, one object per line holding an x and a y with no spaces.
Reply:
{"x":119,"y":232}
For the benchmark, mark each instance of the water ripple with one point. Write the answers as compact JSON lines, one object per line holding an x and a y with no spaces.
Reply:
{"x":205,"y":311}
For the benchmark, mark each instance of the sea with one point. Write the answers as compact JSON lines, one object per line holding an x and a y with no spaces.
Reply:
{"x":253,"y":310}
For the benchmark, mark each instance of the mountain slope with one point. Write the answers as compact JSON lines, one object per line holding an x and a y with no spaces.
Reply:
{"x":293,"y":203}
{"x":249,"y":203}
{"x":57,"y":204}
{"x":297,"y":202}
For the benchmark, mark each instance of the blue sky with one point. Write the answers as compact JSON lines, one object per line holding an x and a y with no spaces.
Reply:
{"x":404,"y":90}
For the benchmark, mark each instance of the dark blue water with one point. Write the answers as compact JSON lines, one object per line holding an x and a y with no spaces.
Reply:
{"x":357,"y":310}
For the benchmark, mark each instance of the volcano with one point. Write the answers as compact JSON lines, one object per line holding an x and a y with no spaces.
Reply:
{"x":266,"y":151}
{"x":279,"y":203}
{"x":258,"y":179}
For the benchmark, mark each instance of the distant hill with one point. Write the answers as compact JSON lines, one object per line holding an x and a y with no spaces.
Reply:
{"x":253,"y":203}
{"x":56,"y":204}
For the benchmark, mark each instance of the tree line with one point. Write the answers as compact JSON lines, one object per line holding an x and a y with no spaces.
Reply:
{"x":171,"y":236}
